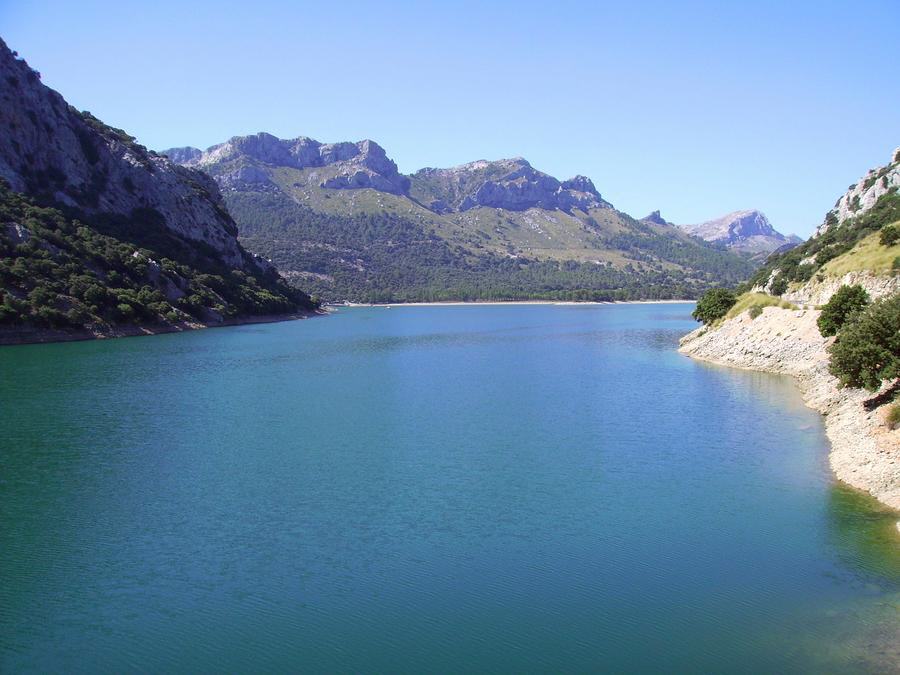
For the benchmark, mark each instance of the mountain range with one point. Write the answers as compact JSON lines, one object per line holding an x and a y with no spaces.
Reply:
{"x":341,"y":220}
{"x":101,"y":236}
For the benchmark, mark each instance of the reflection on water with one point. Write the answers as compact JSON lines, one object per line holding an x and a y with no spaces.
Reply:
{"x":864,"y":535}
{"x":430,"y":489}
{"x":860,"y":628}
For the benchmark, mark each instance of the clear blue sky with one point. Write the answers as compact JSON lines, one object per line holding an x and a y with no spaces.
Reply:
{"x":695,"y":108}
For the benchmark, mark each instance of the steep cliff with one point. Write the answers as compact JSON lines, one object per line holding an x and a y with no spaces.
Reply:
{"x":511,"y":184}
{"x":865,"y":193}
{"x":83,"y":205}
{"x":236,"y":163}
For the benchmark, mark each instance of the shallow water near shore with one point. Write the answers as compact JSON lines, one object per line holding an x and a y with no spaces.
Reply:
{"x":439,"y":489}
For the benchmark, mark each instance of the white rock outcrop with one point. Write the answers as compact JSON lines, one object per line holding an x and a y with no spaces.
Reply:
{"x":862,"y":195}
{"x":511,"y":184}
{"x":817,"y":293}
{"x":239,"y":161}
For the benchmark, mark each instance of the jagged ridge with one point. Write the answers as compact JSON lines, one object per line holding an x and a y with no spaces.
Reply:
{"x":511,"y":184}
{"x":445,"y":232}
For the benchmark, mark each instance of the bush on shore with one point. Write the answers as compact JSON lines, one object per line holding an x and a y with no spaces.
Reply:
{"x":867,"y":349}
{"x":714,"y":304}
{"x":841,"y":306}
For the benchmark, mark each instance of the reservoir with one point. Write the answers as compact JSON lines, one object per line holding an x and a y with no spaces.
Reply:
{"x":517,"y":488}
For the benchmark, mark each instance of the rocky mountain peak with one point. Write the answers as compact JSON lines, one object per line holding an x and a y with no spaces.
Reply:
{"x":656,"y":219}
{"x":581,"y":183}
{"x":747,"y":230}
{"x":186,"y":156}
{"x":732,"y":226}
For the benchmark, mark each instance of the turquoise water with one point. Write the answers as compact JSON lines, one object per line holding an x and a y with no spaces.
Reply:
{"x":429,"y":489}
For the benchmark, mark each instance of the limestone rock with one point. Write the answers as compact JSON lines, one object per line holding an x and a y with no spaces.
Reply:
{"x":243,"y":161}
{"x":748,"y":231}
{"x":819,"y":291}
{"x":511,"y":184}
{"x":53,"y":152}
{"x":862,"y":195}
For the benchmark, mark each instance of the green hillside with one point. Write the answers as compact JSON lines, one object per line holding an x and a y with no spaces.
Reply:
{"x":381,"y":256}
{"x":59,"y":272}
{"x":487,"y":230}
{"x":830,"y":251}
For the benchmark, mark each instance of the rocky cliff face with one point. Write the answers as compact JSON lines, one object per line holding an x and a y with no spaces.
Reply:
{"x":861,"y":213}
{"x":59,"y":155}
{"x":184,"y":156}
{"x":240,"y":161}
{"x":100,"y":237}
{"x":748,"y":231}
{"x":511,"y":184}
{"x":862,"y":195}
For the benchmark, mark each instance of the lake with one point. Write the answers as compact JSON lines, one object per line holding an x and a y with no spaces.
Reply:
{"x":429,"y":489}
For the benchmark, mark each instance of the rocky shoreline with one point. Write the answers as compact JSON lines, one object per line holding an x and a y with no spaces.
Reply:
{"x":13,"y":336}
{"x":865,"y":453}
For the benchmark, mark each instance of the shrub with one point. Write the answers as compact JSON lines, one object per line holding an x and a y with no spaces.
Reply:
{"x":890,"y":235}
{"x":48,"y":316}
{"x":92,"y":272}
{"x":803,"y":273}
{"x":125,"y":311}
{"x":41,"y":296}
{"x":893,"y":416}
{"x":779,"y":285}
{"x":867,"y":349}
{"x":78,"y":315}
{"x":9,"y":314}
{"x":95,"y":294}
{"x":840,"y":307}
{"x":714,"y":304}
{"x":755,"y":311}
